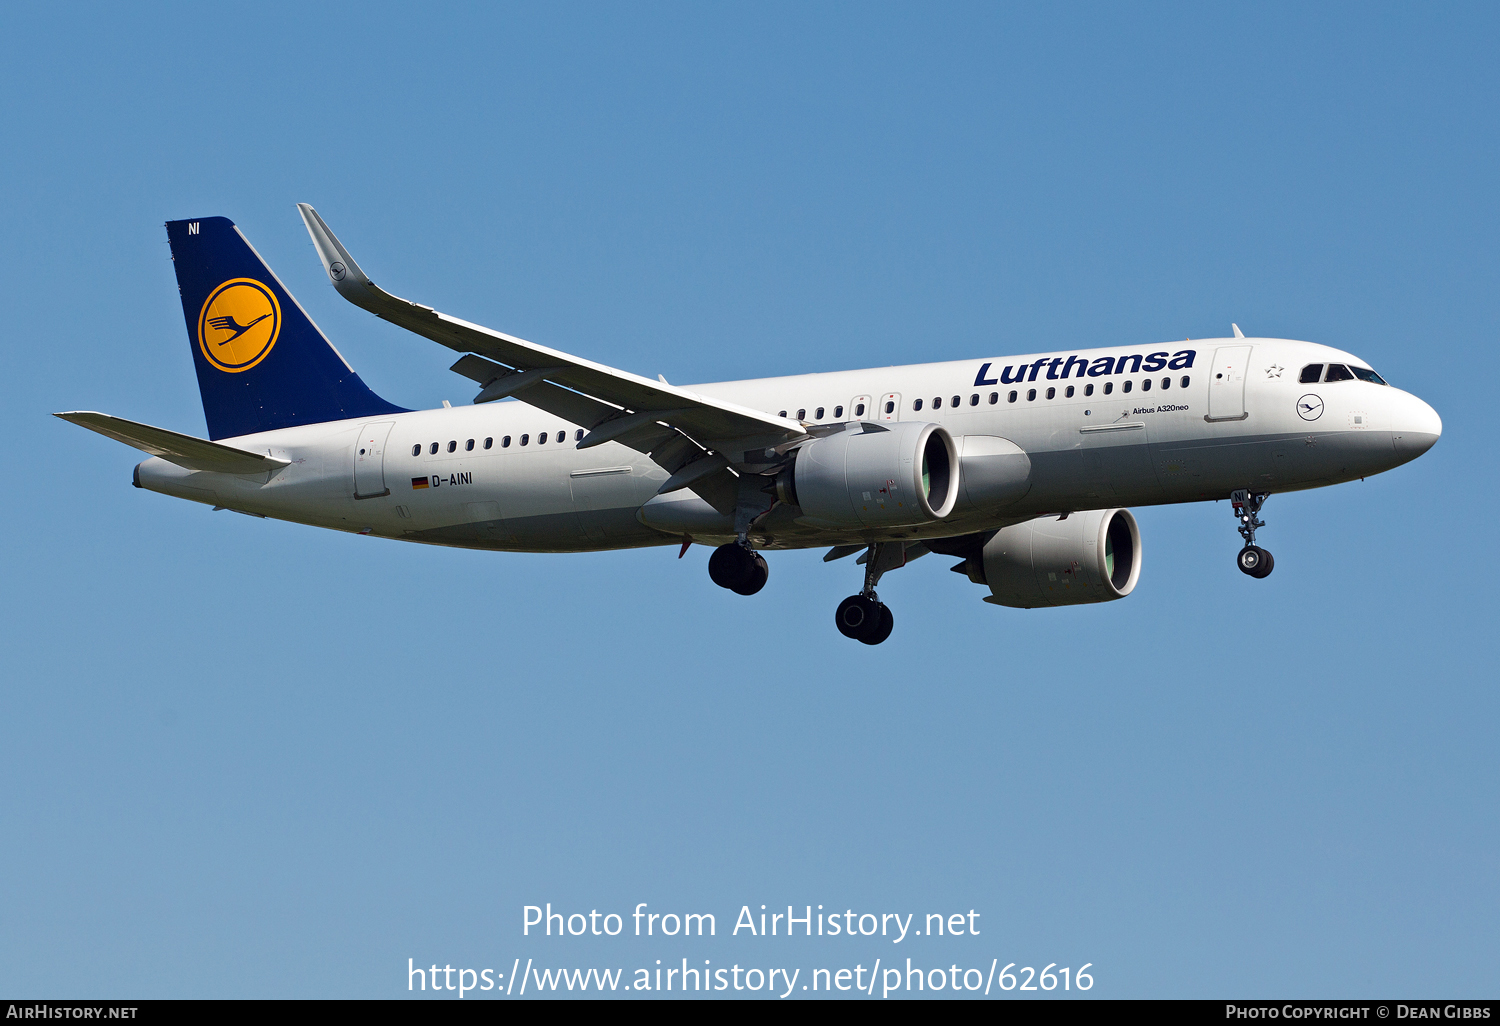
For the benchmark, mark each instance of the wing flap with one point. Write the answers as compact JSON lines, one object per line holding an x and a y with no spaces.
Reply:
{"x":183,"y":450}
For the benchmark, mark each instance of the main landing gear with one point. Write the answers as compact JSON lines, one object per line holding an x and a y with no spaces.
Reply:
{"x":1253,"y":559}
{"x":739,"y":568}
{"x":864,"y":617}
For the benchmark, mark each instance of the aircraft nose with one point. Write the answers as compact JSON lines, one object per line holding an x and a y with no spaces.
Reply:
{"x":1417,"y":429}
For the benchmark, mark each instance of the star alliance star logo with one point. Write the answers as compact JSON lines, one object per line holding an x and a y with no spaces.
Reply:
{"x":1274,"y":371}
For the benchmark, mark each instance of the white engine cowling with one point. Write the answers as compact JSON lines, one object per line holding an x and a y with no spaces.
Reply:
{"x":1093,"y":556}
{"x":875,"y":476}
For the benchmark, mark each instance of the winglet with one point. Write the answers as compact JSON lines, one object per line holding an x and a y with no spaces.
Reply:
{"x":1237,"y":332}
{"x":352,"y":282}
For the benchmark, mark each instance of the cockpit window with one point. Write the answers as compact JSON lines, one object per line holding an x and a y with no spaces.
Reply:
{"x":1338,"y":372}
{"x":1311,"y":373}
{"x":1366,"y":374}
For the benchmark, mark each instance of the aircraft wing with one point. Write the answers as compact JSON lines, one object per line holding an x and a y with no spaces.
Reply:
{"x":616,"y":405}
{"x":183,"y":450}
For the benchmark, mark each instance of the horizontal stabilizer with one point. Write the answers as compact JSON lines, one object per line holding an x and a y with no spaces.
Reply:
{"x":183,"y":450}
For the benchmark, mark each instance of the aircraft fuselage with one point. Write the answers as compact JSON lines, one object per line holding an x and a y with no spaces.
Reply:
{"x":1200,"y":419}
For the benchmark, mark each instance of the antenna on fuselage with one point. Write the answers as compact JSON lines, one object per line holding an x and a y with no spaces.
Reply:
{"x":1237,"y":332}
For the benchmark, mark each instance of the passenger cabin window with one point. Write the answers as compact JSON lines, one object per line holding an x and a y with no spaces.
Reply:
{"x":956,"y":400}
{"x":489,"y":443}
{"x":525,"y":439}
{"x":818,"y":413}
{"x":1366,"y":374}
{"x":1088,"y":389}
{"x":782,"y":414}
{"x":505,"y":442}
{"x":1146,"y":385}
{"x":1166,"y":382}
{"x":562,"y":436}
{"x":974,"y":399}
{"x":1031,"y":395}
{"x":1185,"y":381}
{"x":801,"y":414}
{"x":916,"y":404}
{"x":937,"y":402}
{"x":859,"y":411}
{"x":469,"y":445}
{"x":541,"y":438}
{"x":433,"y":451}
{"x":452,"y":446}
{"x":890,"y":407}
{"x":1109,"y":386}
{"x":416,"y":450}
{"x":1051,"y":393}
{"x":1011,"y":398}
{"x":1069,"y":393}
{"x":578,"y":435}
{"x":1127,"y":386}
{"x":994,"y":398}
{"x":1311,"y":373}
{"x":1338,"y":372}
{"x":838,"y":412}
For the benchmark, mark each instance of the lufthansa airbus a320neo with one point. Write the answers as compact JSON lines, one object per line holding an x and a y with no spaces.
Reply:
{"x":1018,"y":466}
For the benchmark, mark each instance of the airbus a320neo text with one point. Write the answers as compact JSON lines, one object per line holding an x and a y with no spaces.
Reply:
{"x":1020,"y":467}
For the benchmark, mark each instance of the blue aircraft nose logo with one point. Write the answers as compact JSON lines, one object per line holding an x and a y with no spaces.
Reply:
{"x":1309,"y":407}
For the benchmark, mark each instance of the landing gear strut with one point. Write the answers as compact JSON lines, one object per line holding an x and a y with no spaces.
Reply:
{"x":739,"y":568}
{"x":1253,"y":559}
{"x":864,"y":617}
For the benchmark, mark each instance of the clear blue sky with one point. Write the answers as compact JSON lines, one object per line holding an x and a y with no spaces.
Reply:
{"x":247,"y":758}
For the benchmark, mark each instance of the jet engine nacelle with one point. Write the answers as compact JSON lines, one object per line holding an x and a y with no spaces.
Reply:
{"x":874,"y":476}
{"x":1094,"y":556}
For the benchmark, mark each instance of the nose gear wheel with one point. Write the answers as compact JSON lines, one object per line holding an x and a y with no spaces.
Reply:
{"x":1255,"y":561}
{"x":1252,"y":560}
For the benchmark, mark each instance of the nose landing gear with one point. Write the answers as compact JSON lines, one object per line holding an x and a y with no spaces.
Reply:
{"x":739,"y":568}
{"x":864,"y":617}
{"x":1253,"y":559}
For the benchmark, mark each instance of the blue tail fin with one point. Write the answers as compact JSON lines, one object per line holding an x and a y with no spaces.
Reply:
{"x":262,"y":363}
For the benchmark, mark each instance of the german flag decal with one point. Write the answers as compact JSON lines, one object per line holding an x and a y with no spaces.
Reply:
{"x":419,"y":482}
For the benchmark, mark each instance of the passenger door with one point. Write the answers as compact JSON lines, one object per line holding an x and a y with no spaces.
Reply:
{"x":369,"y":461}
{"x":1226,"y":386}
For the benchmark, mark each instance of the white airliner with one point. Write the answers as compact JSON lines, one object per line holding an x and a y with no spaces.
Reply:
{"x":1019,"y":466}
